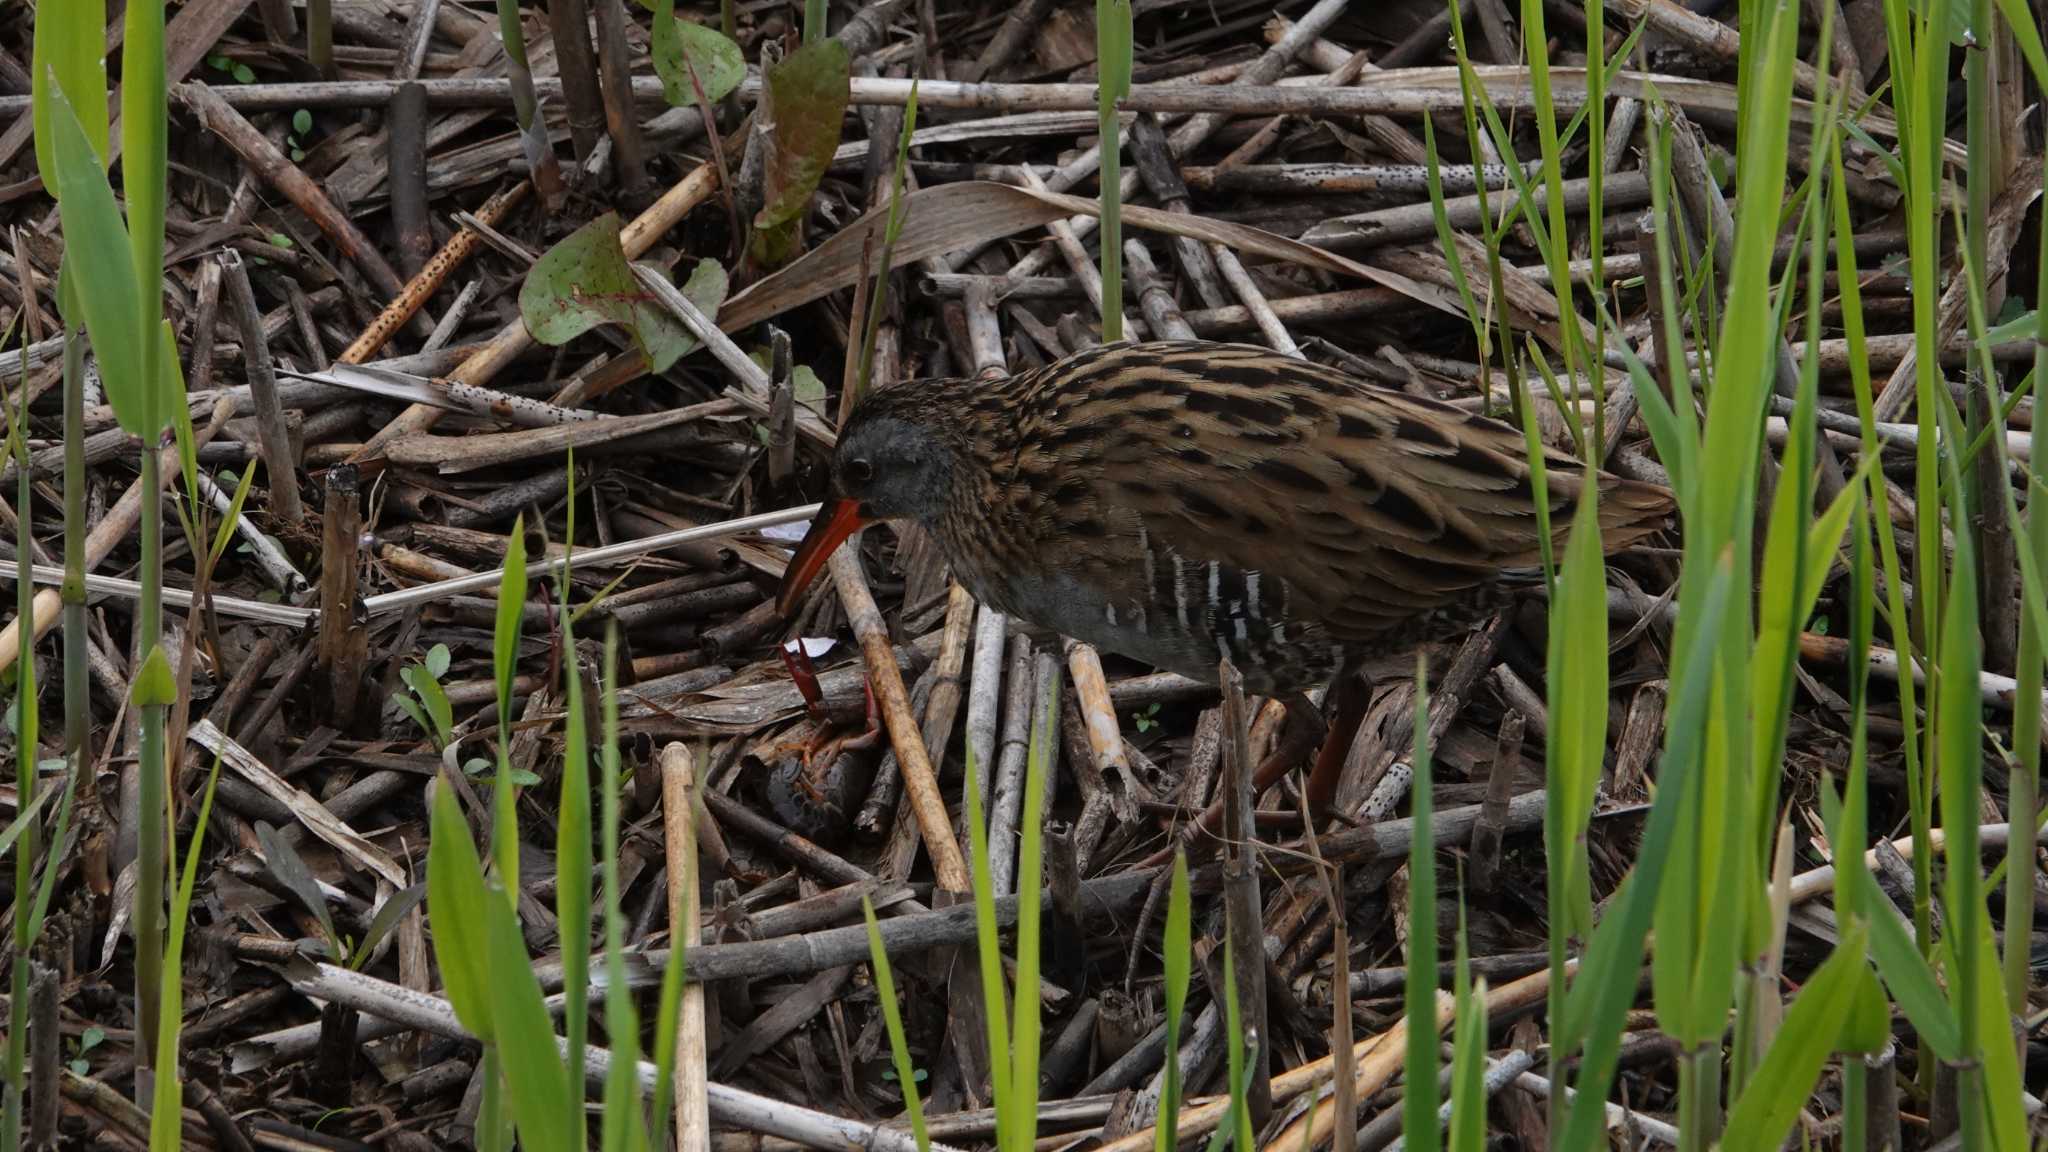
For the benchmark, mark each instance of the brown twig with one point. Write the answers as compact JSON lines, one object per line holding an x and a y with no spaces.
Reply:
{"x":278,"y":462}
{"x":217,"y":116}
{"x":343,"y":645}
{"x":678,"y":789}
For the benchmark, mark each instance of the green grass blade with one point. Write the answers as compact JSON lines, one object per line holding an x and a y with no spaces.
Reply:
{"x":97,"y":259}
{"x":2001,"y":1073}
{"x":899,"y":1048}
{"x":2024,"y":791}
{"x":225,"y":534}
{"x":1922,"y":46}
{"x":1419,"y":1099}
{"x":1113,"y":64}
{"x":1766,"y":1110}
{"x":505,"y":636}
{"x":1539,"y":473}
{"x":1605,"y":988}
{"x":384,"y":922}
{"x":1024,"y":1026}
{"x":1912,"y":983}
{"x":1578,"y":707}
{"x":1670,"y":339}
{"x":48,"y":883}
{"x":1556,"y":255}
{"x":879,"y":298}
{"x":1959,"y":715}
{"x":1447,"y":240}
{"x":455,"y":899}
{"x":24,"y":819}
{"x":167,"y":1117}
{"x":666,"y":1012}
{"x":70,"y":40}
{"x":995,"y":1008}
{"x":504,"y":661}
{"x":1178,"y":948}
{"x":625,"y":1127}
{"x":145,"y":167}
{"x":1468,"y":1053}
{"x":1239,"y":1062}
{"x":573,"y":857}
{"x":1744,"y":361}
{"x":547,"y":1114}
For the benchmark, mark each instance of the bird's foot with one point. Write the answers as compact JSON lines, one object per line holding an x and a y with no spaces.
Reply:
{"x":1350,"y":693}
{"x":829,"y":737}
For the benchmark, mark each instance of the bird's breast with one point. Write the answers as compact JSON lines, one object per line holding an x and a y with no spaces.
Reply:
{"x":1163,"y":609}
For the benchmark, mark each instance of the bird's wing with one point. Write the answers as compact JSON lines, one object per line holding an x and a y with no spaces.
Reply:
{"x":1375,"y":505}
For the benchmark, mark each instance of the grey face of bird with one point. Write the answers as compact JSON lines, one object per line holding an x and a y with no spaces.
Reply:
{"x":894,"y":470}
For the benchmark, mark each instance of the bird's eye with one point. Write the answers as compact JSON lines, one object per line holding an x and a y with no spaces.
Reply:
{"x":859,"y":471}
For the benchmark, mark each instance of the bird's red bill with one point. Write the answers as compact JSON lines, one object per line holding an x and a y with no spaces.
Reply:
{"x":835,"y":522}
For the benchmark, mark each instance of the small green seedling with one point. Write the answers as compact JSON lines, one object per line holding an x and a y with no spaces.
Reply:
{"x":91,"y":1038}
{"x":428,"y":706}
{"x":1148,"y":719}
{"x":242,"y":73}
{"x":300,"y":135}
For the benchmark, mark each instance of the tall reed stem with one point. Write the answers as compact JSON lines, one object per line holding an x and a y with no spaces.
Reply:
{"x":149,"y":823}
{"x":25,"y":786}
{"x":2023,"y":805}
{"x":76,"y":668}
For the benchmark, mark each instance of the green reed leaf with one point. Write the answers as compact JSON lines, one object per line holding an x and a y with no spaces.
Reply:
{"x":1600,"y":997}
{"x":1913,"y":985}
{"x":1419,"y":1100}
{"x":995,"y":1009}
{"x":167,"y":1114}
{"x":1113,"y":83}
{"x":145,"y":169}
{"x":1764,"y":1113}
{"x":1024,"y":1019}
{"x":98,"y":261}
{"x":573,"y":855}
{"x":1578,"y":686}
{"x":547,"y":1112}
{"x":899,"y":1048}
{"x":68,"y":59}
{"x":456,"y":898}
{"x":1177,"y":949}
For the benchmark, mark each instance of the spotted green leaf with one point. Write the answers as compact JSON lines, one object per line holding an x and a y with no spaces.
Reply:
{"x":682,"y":47}
{"x":585,"y":280}
{"x":808,"y":92}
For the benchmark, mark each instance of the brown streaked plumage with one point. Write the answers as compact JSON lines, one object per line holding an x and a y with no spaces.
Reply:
{"x":1180,"y":502}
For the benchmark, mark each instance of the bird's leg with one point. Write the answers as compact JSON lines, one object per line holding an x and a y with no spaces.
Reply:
{"x":1300,"y":732}
{"x":1350,"y":694}
{"x":804,"y":675}
{"x":872,"y":734}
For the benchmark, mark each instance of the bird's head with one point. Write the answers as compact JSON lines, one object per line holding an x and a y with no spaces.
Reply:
{"x":894,"y":461}
{"x":893,"y":468}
